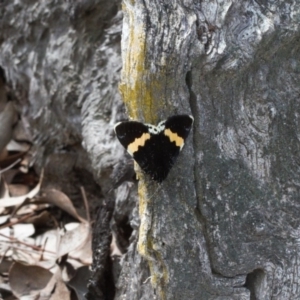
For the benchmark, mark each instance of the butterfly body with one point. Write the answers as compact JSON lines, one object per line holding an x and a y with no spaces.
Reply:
{"x":155,"y":148}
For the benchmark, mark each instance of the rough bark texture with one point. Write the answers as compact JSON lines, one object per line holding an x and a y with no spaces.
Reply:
{"x":224,"y":224}
{"x":229,"y":207}
{"x":62,"y":63}
{"x":101,"y":283}
{"x":62,"y":60}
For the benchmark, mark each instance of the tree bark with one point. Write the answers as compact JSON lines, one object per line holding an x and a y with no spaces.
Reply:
{"x":224,"y":224}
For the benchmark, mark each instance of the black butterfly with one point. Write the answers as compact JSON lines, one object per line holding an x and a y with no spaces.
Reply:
{"x":155,"y":148}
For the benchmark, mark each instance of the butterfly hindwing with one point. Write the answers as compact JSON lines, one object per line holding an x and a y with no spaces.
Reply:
{"x":157,"y":157}
{"x":155,"y":148}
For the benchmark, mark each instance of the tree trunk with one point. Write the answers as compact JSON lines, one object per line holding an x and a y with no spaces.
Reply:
{"x":224,"y":224}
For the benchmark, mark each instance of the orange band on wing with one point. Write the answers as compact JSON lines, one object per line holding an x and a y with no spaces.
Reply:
{"x":174,"y":138}
{"x":138,"y":142}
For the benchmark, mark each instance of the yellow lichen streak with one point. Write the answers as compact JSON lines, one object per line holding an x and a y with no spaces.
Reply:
{"x":174,"y":138}
{"x":132,"y":86}
{"x":134,"y":146}
{"x":142,"y":89}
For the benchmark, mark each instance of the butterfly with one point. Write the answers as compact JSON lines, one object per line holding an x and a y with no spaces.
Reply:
{"x":155,"y":148}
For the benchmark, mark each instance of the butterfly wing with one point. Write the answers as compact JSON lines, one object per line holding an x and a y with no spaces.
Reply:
{"x":157,"y":157}
{"x":132,"y":135}
{"x":155,"y":153}
{"x":179,"y":125}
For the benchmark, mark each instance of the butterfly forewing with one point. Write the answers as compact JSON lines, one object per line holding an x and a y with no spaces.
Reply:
{"x":130,"y":131}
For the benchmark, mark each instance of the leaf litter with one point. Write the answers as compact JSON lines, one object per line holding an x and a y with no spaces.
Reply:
{"x":37,"y":251}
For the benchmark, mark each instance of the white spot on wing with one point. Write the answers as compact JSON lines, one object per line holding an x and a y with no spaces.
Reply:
{"x":192,"y":118}
{"x":117,"y":126}
{"x":151,"y":129}
{"x":156,"y":129}
{"x":161,"y":126}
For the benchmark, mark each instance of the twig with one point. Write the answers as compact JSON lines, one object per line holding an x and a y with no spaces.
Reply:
{"x":21,"y":219}
{"x":11,"y":166}
{"x":15,"y":240}
{"x":86,"y":204}
{"x":36,"y":248}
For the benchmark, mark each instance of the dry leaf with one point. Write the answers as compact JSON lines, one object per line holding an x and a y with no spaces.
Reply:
{"x":80,"y":281}
{"x":11,"y":160}
{"x":28,"y":280}
{"x":3,"y":93}
{"x":5,"y":265}
{"x":49,"y":264}
{"x":3,"y":191}
{"x":63,"y":202}
{"x":27,"y":209}
{"x":61,"y":291}
{"x":24,"y":164}
{"x":16,"y":190}
{"x":84,"y":253}
{"x":9,"y":176}
{"x":12,"y":201}
{"x":49,"y":289}
{"x":3,"y":155}
{"x":73,"y":239}
{"x":43,"y":219}
{"x":3,"y":188}
{"x":31,"y":250}
{"x":18,"y":231}
{"x":7,"y":117}
{"x":3,"y":219}
{"x":56,"y":288}
{"x":48,"y":241}
{"x":23,"y":253}
{"x":22,"y":131}
{"x":114,"y":249}
{"x":18,"y":146}
{"x":6,"y":292}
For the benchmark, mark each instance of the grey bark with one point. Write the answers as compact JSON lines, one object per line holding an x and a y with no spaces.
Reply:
{"x":224,"y":224}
